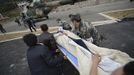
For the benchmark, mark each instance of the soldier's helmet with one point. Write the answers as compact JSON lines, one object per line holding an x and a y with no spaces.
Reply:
{"x":66,"y":26}
{"x":76,"y":17}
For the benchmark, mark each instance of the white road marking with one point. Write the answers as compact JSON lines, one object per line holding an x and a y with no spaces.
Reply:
{"x":98,"y":23}
{"x":110,"y":17}
{"x":26,"y":31}
{"x":20,"y":32}
{"x":12,"y":39}
{"x":118,"y":10}
{"x":17,"y":32}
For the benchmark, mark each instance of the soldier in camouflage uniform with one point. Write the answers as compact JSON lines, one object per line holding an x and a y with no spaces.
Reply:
{"x":85,"y":30}
{"x":29,"y":19}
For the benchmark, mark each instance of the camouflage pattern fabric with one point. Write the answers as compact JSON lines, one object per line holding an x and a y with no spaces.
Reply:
{"x":87,"y":31}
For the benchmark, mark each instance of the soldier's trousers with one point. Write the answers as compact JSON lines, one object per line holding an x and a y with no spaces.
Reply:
{"x":3,"y":30}
{"x":31,"y":27}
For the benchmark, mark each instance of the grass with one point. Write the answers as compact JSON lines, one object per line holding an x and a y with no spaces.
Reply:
{"x":121,"y":14}
{"x":8,"y":36}
{"x":11,"y":14}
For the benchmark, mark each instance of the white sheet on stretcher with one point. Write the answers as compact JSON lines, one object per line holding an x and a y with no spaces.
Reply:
{"x":106,"y":63}
{"x":109,"y":56}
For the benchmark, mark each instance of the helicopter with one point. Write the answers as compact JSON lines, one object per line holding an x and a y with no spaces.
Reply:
{"x":41,"y":8}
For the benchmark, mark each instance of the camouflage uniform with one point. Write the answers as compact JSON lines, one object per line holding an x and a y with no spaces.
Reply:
{"x":65,"y":25}
{"x":87,"y":31}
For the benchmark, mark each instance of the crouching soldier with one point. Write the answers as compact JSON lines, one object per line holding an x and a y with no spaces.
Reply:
{"x":85,"y":30}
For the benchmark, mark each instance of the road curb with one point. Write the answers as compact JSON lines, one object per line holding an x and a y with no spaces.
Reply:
{"x":24,"y":31}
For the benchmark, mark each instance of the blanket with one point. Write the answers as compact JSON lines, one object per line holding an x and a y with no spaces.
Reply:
{"x":111,"y":58}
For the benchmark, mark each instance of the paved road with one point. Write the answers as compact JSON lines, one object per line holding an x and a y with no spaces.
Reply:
{"x":118,"y":36}
{"x":87,"y":13}
{"x":13,"y":61}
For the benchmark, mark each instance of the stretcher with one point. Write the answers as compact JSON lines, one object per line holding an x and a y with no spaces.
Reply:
{"x":80,"y":56}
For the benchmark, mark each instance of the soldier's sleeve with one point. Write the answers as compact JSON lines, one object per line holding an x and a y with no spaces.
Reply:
{"x":71,"y":24}
{"x":93,"y":31}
